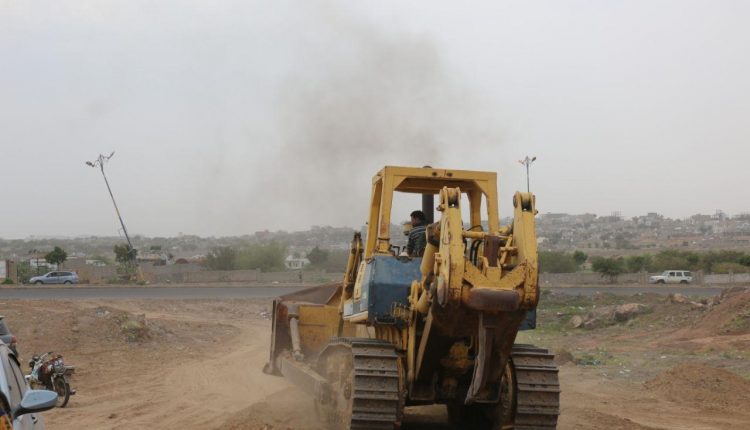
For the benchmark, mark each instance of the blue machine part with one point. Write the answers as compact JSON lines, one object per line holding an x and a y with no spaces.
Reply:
{"x":530,"y":322}
{"x":385,"y":286}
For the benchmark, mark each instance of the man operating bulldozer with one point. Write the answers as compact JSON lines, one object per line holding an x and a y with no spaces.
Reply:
{"x":417,"y":238}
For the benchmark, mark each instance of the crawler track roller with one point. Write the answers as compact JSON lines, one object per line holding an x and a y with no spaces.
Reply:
{"x":365,"y":385}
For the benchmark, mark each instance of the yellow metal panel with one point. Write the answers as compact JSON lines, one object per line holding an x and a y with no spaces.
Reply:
{"x":386,"y":200}
{"x":317,"y":324}
{"x":372,"y":225}
{"x":425,"y":181}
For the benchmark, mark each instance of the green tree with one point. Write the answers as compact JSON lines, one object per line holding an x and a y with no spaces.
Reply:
{"x":25,"y":272}
{"x":317,"y":256}
{"x":267,"y":256}
{"x":580,"y":257}
{"x":674,"y":259}
{"x":57,"y":256}
{"x":729,"y":268}
{"x":638,"y":263}
{"x":712,"y":258}
{"x":693,"y":259}
{"x":221,"y":258}
{"x":556,"y":262}
{"x":124,"y":253}
{"x":336,"y":261}
{"x":609,"y":268}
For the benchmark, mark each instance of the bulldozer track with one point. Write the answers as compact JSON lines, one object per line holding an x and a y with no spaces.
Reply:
{"x":537,"y":388}
{"x":377,"y":402}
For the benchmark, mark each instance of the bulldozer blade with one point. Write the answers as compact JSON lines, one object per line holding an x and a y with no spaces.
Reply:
{"x":321,"y":295}
{"x":281,"y":338}
{"x":303,"y":376}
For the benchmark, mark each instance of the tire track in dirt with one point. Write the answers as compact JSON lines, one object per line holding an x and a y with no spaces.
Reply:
{"x":171,"y":384}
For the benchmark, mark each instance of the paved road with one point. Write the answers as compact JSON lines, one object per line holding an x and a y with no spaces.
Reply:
{"x":115,"y":293}
{"x":259,"y":292}
{"x":631,"y":290}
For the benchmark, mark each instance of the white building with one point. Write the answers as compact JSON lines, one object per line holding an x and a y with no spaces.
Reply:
{"x":38,"y":263}
{"x":295,"y":263}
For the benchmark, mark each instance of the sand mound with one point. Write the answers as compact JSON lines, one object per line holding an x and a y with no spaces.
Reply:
{"x":703,"y":386}
{"x":732,"y":315}
{"x":735,"y":303}
{"x":289,"y":409}
{"x":590,"y":419}
{"x":728,"y":315}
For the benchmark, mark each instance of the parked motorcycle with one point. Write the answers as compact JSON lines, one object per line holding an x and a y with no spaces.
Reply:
{"x":51,"y":373}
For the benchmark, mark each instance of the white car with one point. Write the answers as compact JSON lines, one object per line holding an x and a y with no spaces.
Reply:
{"x":672,"y":277}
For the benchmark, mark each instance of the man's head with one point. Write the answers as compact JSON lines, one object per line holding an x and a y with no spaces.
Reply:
{"x":417,"y":218}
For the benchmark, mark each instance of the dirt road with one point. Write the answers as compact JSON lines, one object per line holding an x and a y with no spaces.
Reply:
{"x":196,"y":364}
{"x":192,"y":363}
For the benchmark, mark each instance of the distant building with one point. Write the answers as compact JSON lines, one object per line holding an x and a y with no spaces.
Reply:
{"x":154,"y":258}
{"x":295,"y":263}
{"x":41,"y":263}
{"x":97,"y":263}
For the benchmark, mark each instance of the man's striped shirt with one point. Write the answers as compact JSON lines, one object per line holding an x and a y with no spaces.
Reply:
{"x":417,"y":241}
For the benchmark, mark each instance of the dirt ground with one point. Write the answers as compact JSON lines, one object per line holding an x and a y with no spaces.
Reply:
{"x":197,"y":364}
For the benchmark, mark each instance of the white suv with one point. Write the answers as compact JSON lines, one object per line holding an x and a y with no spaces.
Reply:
{"x":672,"y":277}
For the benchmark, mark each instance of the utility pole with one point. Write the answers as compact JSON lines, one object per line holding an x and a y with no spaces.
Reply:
{"x":99,"y":162}
{"x":527,"y":162}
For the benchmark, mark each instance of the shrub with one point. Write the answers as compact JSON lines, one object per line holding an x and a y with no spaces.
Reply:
{"x":608,"y":267}
{"x":221,"y":258}
{"x":729,"y":268}
{"x":557,"y":262}
{"x":264,"y":256}
{"x":638,"y":263}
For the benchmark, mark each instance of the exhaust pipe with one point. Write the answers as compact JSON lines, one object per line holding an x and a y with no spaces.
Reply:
{"x":428,"y":206}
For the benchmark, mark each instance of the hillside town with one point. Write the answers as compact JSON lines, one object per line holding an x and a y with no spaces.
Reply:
{"x":597,"y":234}
{"x":556,"y":232}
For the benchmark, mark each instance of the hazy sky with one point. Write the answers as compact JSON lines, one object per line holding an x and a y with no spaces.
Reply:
{"x":232,"y":116}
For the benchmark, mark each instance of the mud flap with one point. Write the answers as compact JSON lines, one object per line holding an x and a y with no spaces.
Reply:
{"x":281,"y":336}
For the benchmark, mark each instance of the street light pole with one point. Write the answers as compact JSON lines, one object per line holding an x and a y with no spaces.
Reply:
{"x":527,"y":162}
{"x":99,"y":162}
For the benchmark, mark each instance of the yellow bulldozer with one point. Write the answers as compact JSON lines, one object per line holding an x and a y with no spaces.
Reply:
{"x":439,"y":328}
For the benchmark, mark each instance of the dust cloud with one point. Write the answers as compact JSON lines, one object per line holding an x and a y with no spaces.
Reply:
{"x":375,"y":97}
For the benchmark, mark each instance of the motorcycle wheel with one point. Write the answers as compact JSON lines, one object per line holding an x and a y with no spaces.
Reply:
{"x":62,"y":388}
